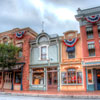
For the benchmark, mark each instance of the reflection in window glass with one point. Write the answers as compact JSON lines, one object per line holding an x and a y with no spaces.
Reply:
{"x":90,"y":76}
{"x":38,"y":76}
{"x":71,"y":77}
{"x":18,"y":77}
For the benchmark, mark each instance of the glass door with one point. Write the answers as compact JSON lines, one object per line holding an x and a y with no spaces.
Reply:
{"x":52,"y":80}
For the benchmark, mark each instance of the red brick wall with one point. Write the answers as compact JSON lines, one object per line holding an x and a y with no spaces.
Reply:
{"x":85,"y":40}
{"x":26,"y":54}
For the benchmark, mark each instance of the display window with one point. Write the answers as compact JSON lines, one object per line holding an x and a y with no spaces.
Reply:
{"x":38,"y":76}
{"x":71,"y":76}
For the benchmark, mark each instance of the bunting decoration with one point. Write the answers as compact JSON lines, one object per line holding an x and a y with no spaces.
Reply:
{"x":70,"y":44}
{"x":20,"y":34}
{"x":93,"y":19}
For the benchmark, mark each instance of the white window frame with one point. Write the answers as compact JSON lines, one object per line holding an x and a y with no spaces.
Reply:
{"x":46,"y":51}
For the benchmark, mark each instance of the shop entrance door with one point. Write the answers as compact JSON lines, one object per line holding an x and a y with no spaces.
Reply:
{"x":98,"y":79}
{"x":7,"y":80}
{"x":52,"y":81}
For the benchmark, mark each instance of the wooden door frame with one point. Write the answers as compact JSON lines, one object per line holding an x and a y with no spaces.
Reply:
{"x":52,"y":72}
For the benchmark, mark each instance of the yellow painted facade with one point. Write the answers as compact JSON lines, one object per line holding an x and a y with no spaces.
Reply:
{"x":71,"y":63}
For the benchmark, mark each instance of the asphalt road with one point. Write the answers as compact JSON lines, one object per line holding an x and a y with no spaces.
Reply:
{"x":9,"y":97}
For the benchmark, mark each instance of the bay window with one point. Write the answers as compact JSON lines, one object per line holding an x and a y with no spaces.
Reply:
{"x":71,"y":76}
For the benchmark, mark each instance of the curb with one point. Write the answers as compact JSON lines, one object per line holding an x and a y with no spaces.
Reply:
{"x":53,"y":96}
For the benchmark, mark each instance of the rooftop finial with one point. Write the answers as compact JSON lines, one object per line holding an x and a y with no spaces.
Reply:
{"x":42,"y":26}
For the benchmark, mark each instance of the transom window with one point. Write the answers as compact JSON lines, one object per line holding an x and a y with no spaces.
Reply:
{"x":43,"y":39}
{"x":71,"y":77}
{"x":89,"y":32}
{"x":43,"y":52}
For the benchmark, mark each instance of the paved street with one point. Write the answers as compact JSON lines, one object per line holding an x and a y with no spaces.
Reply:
{"x":8,"y":97}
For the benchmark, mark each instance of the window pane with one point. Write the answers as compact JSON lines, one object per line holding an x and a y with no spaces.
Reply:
{"x":89,"y":31}
{"x":64,"y":78}
{"x":71,"y":54}
{"x":38,"y":76}
{"x":90,"y":76}
{"x":91,"y":52}
{"x":43,"y":52}
{"x":20,"y":53}
{"x":71,"y":77}
{"x":91,"y":46}
{"x":17,"y":77}
{"x":79,"y":77}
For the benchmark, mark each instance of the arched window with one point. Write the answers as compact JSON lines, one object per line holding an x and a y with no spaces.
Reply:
{"x":43,"y":39}
{"x":5,"y":40}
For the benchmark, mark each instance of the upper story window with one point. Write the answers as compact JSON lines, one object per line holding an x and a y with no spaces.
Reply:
{"x":71,"y":55}
{"x":43,"y":39}
{"x":20,"y":54}
{"x":5,"y":40}
{"x":43,"y":52}
{"x":71,"y":52}
{"x":99,"y":30}
{"x":89,"y":32}
{"x":91,"y":49}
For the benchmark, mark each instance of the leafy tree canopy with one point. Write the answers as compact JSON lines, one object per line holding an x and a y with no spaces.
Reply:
{"x":8,"y":56}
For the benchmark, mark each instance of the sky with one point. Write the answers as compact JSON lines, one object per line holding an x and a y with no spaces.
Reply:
{"x":58,"y":15}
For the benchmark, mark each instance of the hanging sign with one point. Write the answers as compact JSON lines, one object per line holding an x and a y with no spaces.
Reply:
{"x":93,"y":19}
{"x":20,"y":34}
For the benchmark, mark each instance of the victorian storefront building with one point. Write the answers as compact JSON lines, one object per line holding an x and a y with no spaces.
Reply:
{"x":72,"y":72}
{"x":44,"y":63}
{"x":89,"y":20}
{"x":18,"y":77}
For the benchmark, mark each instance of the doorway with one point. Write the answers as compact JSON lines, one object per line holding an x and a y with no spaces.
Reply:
{"x":98,"y":79}
{"x":52,"y":80}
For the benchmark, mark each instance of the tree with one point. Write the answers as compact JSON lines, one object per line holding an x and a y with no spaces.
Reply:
{"x":8,"y":58}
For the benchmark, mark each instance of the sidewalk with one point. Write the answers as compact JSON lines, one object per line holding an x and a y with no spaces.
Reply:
{"x":56,"y":94}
